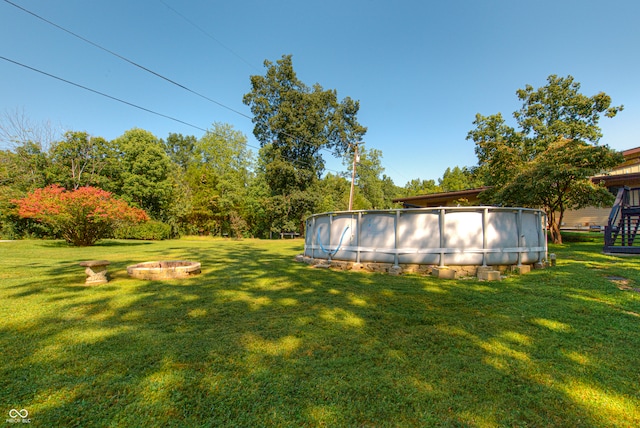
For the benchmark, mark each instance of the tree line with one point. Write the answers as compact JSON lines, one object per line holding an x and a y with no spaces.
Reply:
{"x":216,"y":185}
{"x":213,"y":185}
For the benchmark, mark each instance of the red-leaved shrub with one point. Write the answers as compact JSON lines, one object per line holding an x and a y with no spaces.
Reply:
{"x":81,"y":216}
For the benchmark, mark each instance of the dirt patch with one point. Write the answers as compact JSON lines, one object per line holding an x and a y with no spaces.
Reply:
{"x":622,"y":283}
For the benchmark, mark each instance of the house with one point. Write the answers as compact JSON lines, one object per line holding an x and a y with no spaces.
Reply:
{"x":590,"y":218}
{"x":626,"y":174}
{"x":444,"y":199}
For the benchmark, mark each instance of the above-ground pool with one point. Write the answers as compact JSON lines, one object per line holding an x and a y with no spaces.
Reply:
{"x":444,"y":236}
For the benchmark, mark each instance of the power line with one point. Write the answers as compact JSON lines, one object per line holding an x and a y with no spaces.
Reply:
{"x":135,"y":64}
{"x":203,"y":31}
{"x":121,"y":100}
{"x":102,"y":93}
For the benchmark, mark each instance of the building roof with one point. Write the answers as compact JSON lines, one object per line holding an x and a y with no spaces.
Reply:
{"x":635,"y":152}
{"x":436,"y":199}
{"x":617,"y":180}
{"x":632,"y":156}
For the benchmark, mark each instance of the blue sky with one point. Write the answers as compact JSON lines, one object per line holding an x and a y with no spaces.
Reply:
{"x":420,"y":69}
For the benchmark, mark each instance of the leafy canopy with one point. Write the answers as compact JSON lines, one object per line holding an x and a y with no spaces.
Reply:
{"x":548,"y":161}
{"x":81,"y":160}
{"x":144,"y":172}
{"x":298,"y":121}
{"x":81,"y":216}
{"x":294,"y":123}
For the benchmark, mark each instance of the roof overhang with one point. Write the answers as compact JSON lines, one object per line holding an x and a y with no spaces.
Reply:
{"x":436,"y":199}
{"x":615,"y":180}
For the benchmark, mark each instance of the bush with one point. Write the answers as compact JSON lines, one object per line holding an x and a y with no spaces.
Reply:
{"x":151,"y":230}
{"x":81,"y":216}
{"x":581,"y":237}
{"x":14,"y":227}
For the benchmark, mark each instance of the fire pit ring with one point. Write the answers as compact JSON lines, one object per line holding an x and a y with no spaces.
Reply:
{"x":166,"y":269}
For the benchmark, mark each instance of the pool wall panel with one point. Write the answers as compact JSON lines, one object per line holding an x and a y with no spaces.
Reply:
{"x":432,"y":236}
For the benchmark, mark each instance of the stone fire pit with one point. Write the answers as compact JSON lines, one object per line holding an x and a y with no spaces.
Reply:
{"x":166,"y":269}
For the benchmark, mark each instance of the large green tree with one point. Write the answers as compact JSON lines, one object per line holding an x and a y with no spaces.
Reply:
{"x":298,"y":120}
{"x":81,"y":160}
{"x":334,"y":194}
{"x":218,"y":176}
{"x":144,"y":172}
{"x":548,"y":161}
{"x":294,"y":123}
{"x":25,"y":167}
{"x":180,"y":149}
{"x":22,"y":169}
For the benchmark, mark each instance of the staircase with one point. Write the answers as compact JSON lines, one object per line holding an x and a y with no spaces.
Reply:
{"x":624,"y":223}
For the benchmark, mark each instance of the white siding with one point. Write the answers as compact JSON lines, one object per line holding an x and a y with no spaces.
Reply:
{"x":586,"y":217}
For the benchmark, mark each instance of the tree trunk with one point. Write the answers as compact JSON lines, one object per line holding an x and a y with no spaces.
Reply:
{"x":554,"y":227}
{"x":556,"y":237}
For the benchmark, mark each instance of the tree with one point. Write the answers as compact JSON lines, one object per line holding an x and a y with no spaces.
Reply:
{"x":300,"y":121}
{"x":81,"y":216}
{"x":417,"y":187}
{"x":547,"y":163}
{"x":255,"y":210}
{"x":218,"y":176}
{"x":458,"y":179}
{"x":25,"y":167}
{"x":80,"y":160}
{"x":293,"y":123}
{"x":180,"y":149}
{"x":144,"y":172}
{"x":376,"y":188}
{"x":334,"y":194}
{"x":17,"y":129}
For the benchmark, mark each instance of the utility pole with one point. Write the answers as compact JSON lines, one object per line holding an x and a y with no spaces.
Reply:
{"x":356,"y":159}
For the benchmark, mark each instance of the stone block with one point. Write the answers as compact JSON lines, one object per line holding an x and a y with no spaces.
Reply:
{"x":395,"y":270}
{"x":488,"y":275}
{"x":522,"y":269}
{"x":444,"y":272}
{"x":322,"y":265}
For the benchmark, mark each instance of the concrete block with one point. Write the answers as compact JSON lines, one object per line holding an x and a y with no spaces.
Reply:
{"x":489,"y":275}
{"x":324,"y":265}
{"x":395,"y":270}
{"x":444,"y":272}
{"x":522,"y":269}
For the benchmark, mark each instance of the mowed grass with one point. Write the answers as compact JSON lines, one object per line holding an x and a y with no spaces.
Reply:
{"x":260,"y":340}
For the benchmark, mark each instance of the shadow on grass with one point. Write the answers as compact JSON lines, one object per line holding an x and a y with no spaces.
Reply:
{"x":121,"y":243}
{"x":258,"y":339}
{"x":101,"y":243}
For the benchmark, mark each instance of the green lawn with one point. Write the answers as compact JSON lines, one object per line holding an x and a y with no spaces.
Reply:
{"x":260,"y":340}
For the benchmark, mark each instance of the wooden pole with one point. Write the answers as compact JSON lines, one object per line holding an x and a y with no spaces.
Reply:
{"x":353,"y":176}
